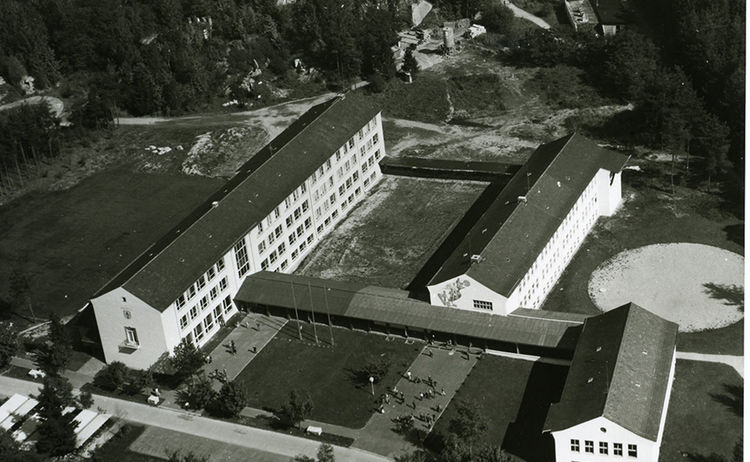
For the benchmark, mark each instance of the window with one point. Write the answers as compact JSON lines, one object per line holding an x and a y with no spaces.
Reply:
{"x":297,"y":213}
{"x":334,"y":214}
{"x":191,"y":292}
{"x":271,"y":238}
{"x":633,"y":450}
{"x":276,"y":212}
{"x":575,"y":445}
{"x":204,"y":302}
{"x":261,"y":247}
{"x":305,"y":206}
{"x":217,"y":313}
{"x":295,"y":253}
{"x":308,"y":222}
{"x":338,"y":155}
{"x":260,"y":227}
{"x":198,"y":332}
{"x":319,"y":229}
{"x":310,"y":238}
{"x":193,"y":312}
{"x":273,"y":256}
{"x":131,"y":336}
{"x":603,"y":447}
{"x":223,"y":283}
{"x":180,"y":301}
{"x":220,"y":264}
{"x":214,"y":292}
{"x":332,"y":199}
{"x":482,"y":305}
{"x":277,"y":231}
{"x":302,"y":246}
{"x":227,"y":304}
{"x":300,"y":230}
{"x":328,"y":164}
{"x":362,"y":151}
{"x":589,"y":446}
{"x":211,"y":273}
{"x":289,"y":221}
{"x":355,"y":175}
{"x":282,"y":248}
{"x":240,"y":255}
{"x":341,"y":190}
{"x":184,"y":321}
{"x":208,"y":322}
{"x":617,"y":449}
{"x":292,"y":238}
{"x":340,"y":172}
{"x":264,"y":264}
{"x":287,"y":202}
{"x":284,"y":265}
{"x":351,"y":143}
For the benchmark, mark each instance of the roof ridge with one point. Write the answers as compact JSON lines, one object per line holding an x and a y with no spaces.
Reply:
{"x":226,"y":192}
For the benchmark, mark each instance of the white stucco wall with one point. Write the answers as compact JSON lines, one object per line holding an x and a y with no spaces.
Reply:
{"x":110,"y":309}
{"x":610,"y":192}
{"x":613,"y":433}
{"x":460,"y":292}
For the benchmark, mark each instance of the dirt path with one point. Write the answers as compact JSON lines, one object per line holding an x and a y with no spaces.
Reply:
{"x":519,"y":13}
{"x":55,"y":104}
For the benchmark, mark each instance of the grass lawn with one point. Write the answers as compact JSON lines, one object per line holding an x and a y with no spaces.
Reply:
{"x":650,"y":215}
{"x":326,"y":373}
{"x":388,"y":237}
{"x":705,"y":413}
{"x":514,"y":396}
{"x":71,"y":242}
{"x":117,"y":448}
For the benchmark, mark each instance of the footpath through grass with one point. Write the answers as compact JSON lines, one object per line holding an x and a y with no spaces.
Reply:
{"x":705,"y":413}
{"x":326,"y":373}
{"x":651,"y":215}
{"x":69,"y":243}
{"x":513,"y":396}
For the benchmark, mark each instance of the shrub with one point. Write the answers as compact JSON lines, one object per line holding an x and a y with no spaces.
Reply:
{"x":112,"y":377}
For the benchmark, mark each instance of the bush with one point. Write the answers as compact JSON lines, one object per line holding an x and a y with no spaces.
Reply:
{"x":229,"y":402}
{"x":112,"y":377}
{"x":198,"y":392}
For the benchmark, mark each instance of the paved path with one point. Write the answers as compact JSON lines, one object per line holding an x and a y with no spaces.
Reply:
{"x":518,"y":12}
{"x":737,"y":362}
{"x":448,"y":369}
{"x":250,"y":336}
{"x":217,"y":430}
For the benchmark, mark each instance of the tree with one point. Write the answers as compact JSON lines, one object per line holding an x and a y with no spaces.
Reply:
{"x":112,"y":377}
{"x":229,"y":402}
{"x":497,"y":17}
{"x":410,"y":62}
{"x":10,"y":450}
{"x":468,"y":423}
{"x":20,"y":289}
{"x":8,"y":343}
{"x":416,"y":456}
{"x":54,"y":352}
{"x":295,"y":410}
{"x":375,"y":367}
{"x":85,"y":399}
{"x":631,"y":63}
{"x":198,"y":392}
{"x":137,"y":380}
{"x":56,"y":436}
{"x":186,"y":359}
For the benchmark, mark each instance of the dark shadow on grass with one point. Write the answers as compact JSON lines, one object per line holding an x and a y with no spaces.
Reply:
{"x":733,"y":398}
{"x":736,"y":233}
{"x":524,"y":436}
{"x":733,"y":295}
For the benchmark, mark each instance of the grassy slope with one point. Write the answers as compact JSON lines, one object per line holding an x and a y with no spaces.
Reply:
{"x":649,"y":216}
{"x":71,"y":242}
{"x":325,"y":373}
{"x":705,"y":413}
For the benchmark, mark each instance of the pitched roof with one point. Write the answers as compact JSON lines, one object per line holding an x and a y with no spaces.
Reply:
{"x":385,"y":305}
{"x":620,"y":370}
{"x":511,"y":233}
{"x":169,"y":266}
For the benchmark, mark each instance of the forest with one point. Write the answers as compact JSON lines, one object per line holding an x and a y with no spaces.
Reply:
{"x":682,"y":67}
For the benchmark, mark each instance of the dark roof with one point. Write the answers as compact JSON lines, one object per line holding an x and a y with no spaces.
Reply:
{"x":620,"y":370}
{"x":172,"y":264}
{"x":511,"y":233}
{"x":392,"y":306}
{"x":447,"y":164}
{"x":612,"y":12}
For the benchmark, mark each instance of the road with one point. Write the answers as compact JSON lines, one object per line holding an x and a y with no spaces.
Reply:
{"x":736,"y":362}
{"x":193,"y":424}
{"x":519,"y":13}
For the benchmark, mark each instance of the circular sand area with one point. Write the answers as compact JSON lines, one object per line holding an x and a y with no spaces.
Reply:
{"x":697,"y":286}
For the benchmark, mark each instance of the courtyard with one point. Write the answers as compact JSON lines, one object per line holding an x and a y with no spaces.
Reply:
{"x":330,"y":374}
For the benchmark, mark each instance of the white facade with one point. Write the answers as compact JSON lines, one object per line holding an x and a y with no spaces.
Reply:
{"x":600,"y":198}
{"x":278,"y":243}
{"x":601,"y":440}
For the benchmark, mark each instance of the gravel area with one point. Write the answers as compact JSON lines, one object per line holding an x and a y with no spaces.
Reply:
{"x":697,"y":286}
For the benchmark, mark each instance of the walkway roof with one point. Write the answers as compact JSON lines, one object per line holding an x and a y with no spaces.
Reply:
{"x":392,"y":306}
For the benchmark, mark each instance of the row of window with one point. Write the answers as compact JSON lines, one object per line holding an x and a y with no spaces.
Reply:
{"x":213,"y":319}
{"x":213,"y":294}
{"x":483,"y":305}
{"x":200,"y":283}
{"x":549,"y":265}
{"x":575,"y":446}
